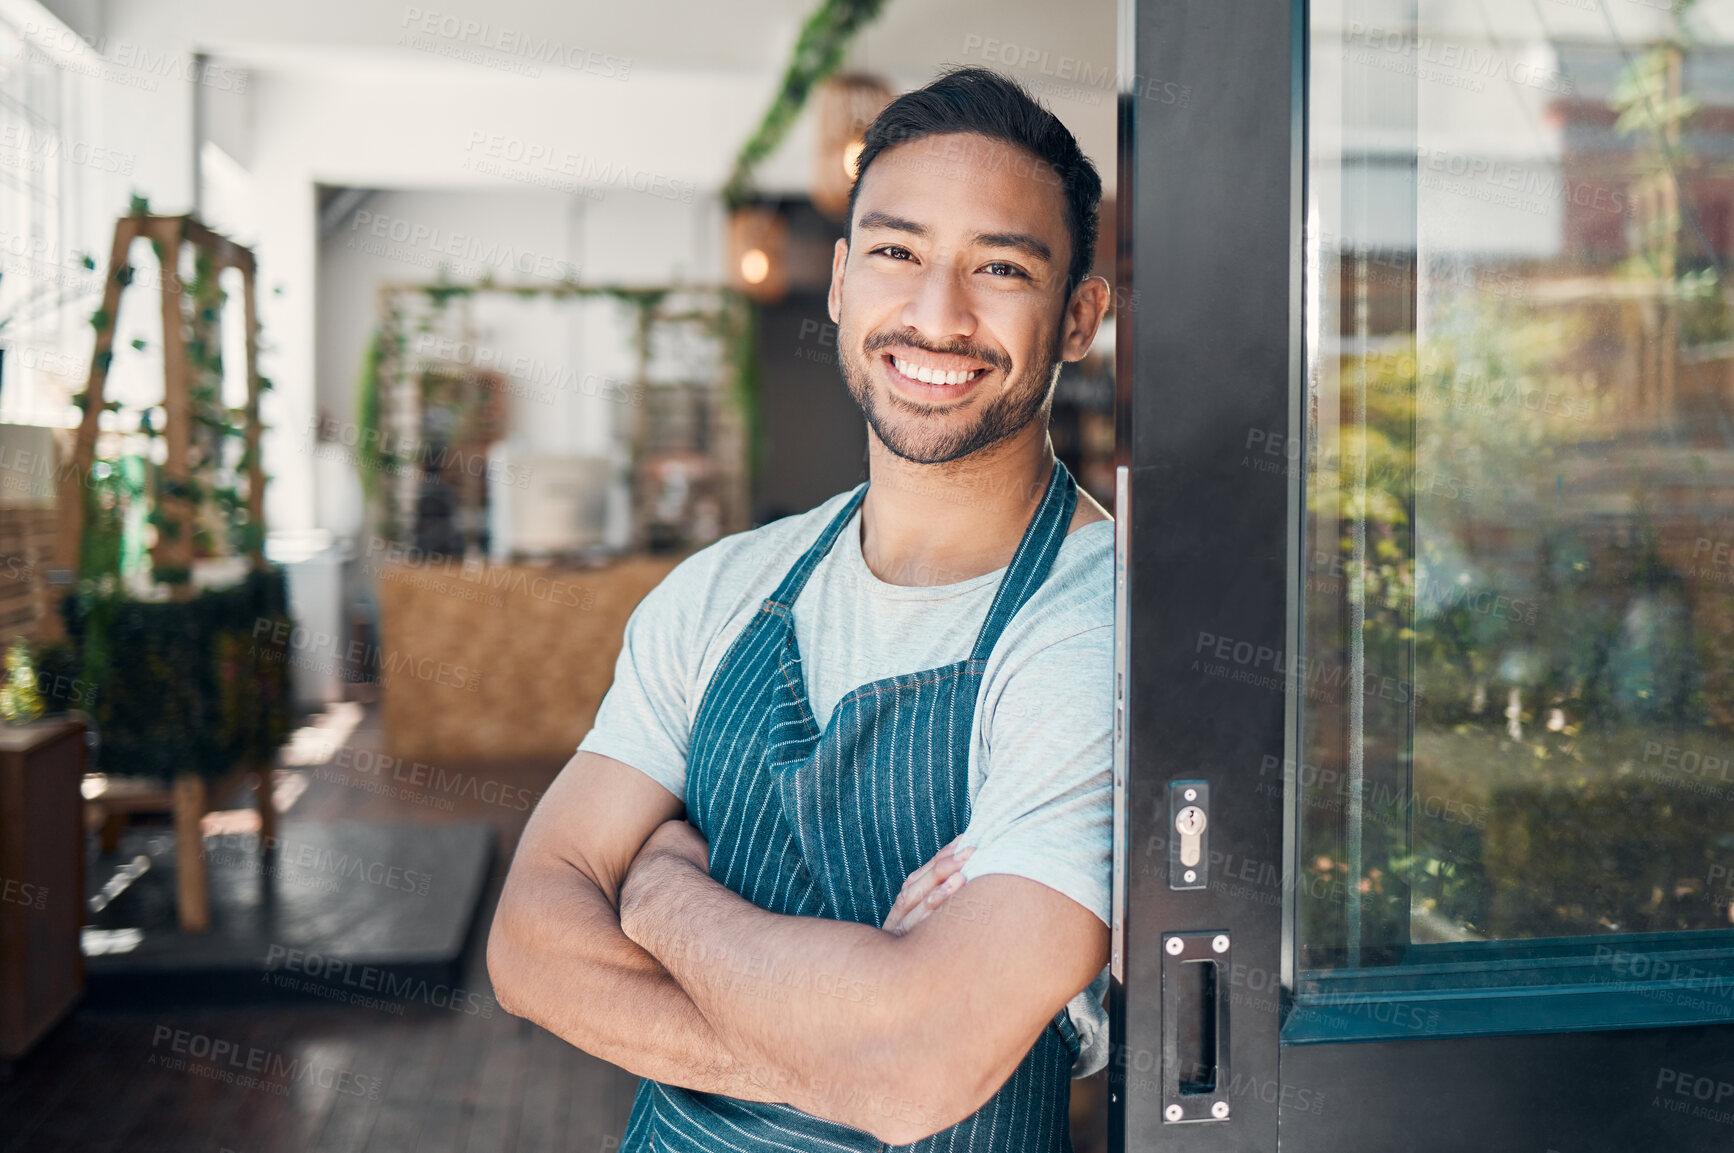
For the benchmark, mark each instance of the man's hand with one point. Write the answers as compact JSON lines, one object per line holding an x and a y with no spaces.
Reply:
{"x":928,"y":887}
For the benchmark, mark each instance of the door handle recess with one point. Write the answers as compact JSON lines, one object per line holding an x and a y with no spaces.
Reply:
{"x":1195,"y":1069}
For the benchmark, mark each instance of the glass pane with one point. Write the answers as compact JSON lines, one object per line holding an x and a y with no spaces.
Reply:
{"x":1517,"y":670}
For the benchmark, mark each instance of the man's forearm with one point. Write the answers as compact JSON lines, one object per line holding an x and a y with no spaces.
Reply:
{"x":558,"y":957}
{"x":820,"y":998}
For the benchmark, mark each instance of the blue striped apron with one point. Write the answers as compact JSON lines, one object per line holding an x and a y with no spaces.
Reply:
{"x":829,"y":824}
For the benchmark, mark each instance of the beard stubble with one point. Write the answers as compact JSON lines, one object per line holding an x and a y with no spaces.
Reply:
{"x":1010,"y":412}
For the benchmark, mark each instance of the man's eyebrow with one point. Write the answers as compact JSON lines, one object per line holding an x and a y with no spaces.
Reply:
{"x":895,"y":223}
{"x":1022,"y":241}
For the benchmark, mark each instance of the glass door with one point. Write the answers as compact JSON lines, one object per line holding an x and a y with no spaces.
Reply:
{"x":1428,"y":522}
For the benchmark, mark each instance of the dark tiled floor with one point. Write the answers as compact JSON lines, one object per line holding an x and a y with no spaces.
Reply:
{"x":310,"y":1077}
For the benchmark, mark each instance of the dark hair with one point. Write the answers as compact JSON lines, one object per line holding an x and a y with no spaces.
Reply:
{"x":984,"y":102}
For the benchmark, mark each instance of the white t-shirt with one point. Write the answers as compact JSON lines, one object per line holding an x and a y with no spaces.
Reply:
{"x":1041,"y":762}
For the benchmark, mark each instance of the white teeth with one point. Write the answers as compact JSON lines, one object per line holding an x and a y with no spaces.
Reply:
{"x":933,"y":375}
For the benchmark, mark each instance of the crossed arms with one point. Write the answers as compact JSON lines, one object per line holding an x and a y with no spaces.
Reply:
{"x":611,"y":934}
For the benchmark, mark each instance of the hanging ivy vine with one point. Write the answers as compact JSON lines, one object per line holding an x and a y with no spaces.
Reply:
{"x":818,"y":53}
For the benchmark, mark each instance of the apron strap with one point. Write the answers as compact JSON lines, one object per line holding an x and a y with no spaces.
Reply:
{"x":796,"y":579}
{"x":1035,"y":556}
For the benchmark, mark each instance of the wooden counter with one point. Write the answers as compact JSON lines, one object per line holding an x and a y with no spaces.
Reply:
{"x":502,"y":661}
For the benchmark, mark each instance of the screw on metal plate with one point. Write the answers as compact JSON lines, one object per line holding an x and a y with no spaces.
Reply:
{"x":1173,"y":1113}
{"x":1192,"y":794}
{"x":1174,"y":946}
{"x":1191,"y":875}
{"x":1220,"y":943}
{"x":1219,"y":1110}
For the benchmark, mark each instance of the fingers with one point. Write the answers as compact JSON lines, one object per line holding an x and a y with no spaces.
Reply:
{"x":943,"y":865}
{"x":928,"y":887}
{"x":932,"y":901}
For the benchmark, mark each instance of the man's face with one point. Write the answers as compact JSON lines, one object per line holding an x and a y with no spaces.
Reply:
{"x":954,"y":314}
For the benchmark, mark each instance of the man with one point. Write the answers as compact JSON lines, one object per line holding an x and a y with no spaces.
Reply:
{"x":886,"y":722}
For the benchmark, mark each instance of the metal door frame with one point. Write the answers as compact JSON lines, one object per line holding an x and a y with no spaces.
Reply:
{"x":1211,"y":202}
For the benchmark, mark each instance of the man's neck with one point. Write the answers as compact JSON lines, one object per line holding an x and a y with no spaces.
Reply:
{"x":935,"y":524}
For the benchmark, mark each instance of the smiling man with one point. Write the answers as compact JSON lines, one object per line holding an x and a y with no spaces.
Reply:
{"x":831,"y":871}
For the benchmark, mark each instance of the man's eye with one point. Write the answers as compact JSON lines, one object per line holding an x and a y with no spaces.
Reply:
{"x":1001,"y":268}
{"x":894,"y":251}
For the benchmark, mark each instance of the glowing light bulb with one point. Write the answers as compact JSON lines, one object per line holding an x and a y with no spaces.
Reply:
{"x":755,"y":266}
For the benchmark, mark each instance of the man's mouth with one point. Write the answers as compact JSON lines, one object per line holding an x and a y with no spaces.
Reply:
{"x":933,"y":375}
{"x":934,"y":370}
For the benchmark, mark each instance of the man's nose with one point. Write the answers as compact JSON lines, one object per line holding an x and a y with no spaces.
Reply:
{"x":940,"y":308}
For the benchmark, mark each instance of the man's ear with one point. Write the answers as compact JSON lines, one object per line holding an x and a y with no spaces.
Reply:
{"x":834,"y":299}
{"x":1084,"y":312}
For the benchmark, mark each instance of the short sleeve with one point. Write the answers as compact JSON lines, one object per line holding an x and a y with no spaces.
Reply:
{"x":645,"y":720}
{"x":1045,"y":809}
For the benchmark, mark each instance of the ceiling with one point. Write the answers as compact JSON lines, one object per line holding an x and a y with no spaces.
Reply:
{"x":720,"y":61}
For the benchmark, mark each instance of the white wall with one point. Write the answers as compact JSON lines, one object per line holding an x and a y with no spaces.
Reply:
{"x":559,"y":351}
{"x":360,"y":93}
